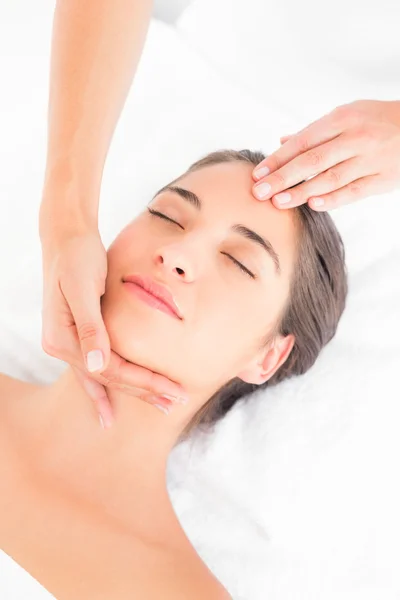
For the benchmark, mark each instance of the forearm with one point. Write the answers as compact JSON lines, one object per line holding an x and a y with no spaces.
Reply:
{"x":96,"y":47}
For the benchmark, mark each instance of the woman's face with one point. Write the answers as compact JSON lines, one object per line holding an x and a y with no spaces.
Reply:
{"x":229,"y":284}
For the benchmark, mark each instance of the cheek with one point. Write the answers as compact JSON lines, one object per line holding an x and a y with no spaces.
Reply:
{"x":143,"y":335}
{"x":130,"y":247}
{"x":226,"y":324}
{"x":116,"y":253}
{"x":231,"y":324}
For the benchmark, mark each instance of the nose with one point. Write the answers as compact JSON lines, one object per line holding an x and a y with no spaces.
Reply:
{"x":177,"y":260}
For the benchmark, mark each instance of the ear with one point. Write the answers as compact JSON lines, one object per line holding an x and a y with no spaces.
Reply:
{"x":268,"y":361}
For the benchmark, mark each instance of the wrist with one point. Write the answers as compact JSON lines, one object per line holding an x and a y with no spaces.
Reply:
{"x":73,"y":183}
{"x":60,"y":216}
{"x":69,"y":195}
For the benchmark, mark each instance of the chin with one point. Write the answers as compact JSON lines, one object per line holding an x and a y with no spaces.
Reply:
{"x":141,"y":337}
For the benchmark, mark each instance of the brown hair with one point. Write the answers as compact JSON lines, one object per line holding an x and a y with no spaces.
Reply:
{"x":316,"y":301}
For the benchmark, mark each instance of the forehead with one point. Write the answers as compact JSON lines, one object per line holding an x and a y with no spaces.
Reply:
{"x":225,"y":191}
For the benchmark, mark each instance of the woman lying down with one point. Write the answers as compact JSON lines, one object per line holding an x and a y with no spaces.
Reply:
{"x":252,"y":295}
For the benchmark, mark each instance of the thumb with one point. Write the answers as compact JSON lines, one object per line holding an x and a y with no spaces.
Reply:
{"x":93,"y":337}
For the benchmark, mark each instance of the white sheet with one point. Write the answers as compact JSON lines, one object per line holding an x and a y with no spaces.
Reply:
{"x":296,"y":493}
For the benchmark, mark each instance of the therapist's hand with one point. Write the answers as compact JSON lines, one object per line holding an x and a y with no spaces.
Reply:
{"x":351,"y":153}
{"x":74,"y":274}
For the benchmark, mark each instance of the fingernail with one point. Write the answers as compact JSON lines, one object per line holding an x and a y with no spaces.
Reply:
{"x":261,"y":172}
{"x":262,"y":190}
{"x":94,"y":360}
{"x":101,"y":421}
{"x":163,"y":408}
{"x":318,"y":201}
{"x":179,"y":399}
{"x":283,"y":198}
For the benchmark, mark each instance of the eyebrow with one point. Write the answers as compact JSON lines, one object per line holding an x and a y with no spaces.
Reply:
{"x":242,"y":230}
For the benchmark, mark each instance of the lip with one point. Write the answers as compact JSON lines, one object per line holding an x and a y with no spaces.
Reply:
{"x":155,"y":289}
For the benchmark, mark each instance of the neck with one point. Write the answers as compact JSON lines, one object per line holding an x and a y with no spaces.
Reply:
{"x":112,"y":469}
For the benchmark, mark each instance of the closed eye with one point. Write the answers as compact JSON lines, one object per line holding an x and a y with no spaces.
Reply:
{"x":239,"y":264}
{"x":160,"y":215}
{"x":156,"y":213}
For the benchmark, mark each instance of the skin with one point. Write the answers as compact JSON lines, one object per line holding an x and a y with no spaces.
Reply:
{"x":96,"y":47}
{"x":108,"y":487}
{"x":348,"y":154}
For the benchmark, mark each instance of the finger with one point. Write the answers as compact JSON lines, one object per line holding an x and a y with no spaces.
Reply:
{"x":98,"y":395}
{"x":124,"y":374}
{"x":92,"y":334}
{"x":304,"y":167}
{"x":285,"y":138}
{"x":320,"y":131}
{"x":102,"y":404}
{"x":356,"y":190}
{"x":324,"y":183}
{"x":58,"y":339}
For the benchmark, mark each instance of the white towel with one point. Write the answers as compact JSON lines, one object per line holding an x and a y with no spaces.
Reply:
{"x":295,"y":495}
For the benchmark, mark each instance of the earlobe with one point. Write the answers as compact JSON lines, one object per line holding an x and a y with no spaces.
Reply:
{"x":266,"y":363}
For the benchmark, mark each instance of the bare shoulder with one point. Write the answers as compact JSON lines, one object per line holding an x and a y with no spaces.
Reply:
{"x":197,"y":579}
{"x":12,"y":385}
{"x":194,"y":581}
{"x":224,"y":595}
{"x":196,"y":588}
{"x":12,"y":392}
{"x":179,"y":574}
{"x":6,"y":382}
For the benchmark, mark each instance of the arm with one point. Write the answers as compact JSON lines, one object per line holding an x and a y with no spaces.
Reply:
{"x":96,"y":47}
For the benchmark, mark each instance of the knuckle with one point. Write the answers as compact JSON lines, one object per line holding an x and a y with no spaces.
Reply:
{"x":333,"y":176}
{"x":57,"y":350}
{"x":355,"y":189}
{"x":314,"y":158}
{"x":366,"y":137}
{"x":341,"y":114}
{"x":274,"y":163}
{"x":49,"y":347}
{"x":86,"y":331}
{"x":279,"y":179}
{"x":340,"y":111}
{"x":302,"y":144}
{"x":348,"y":114}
